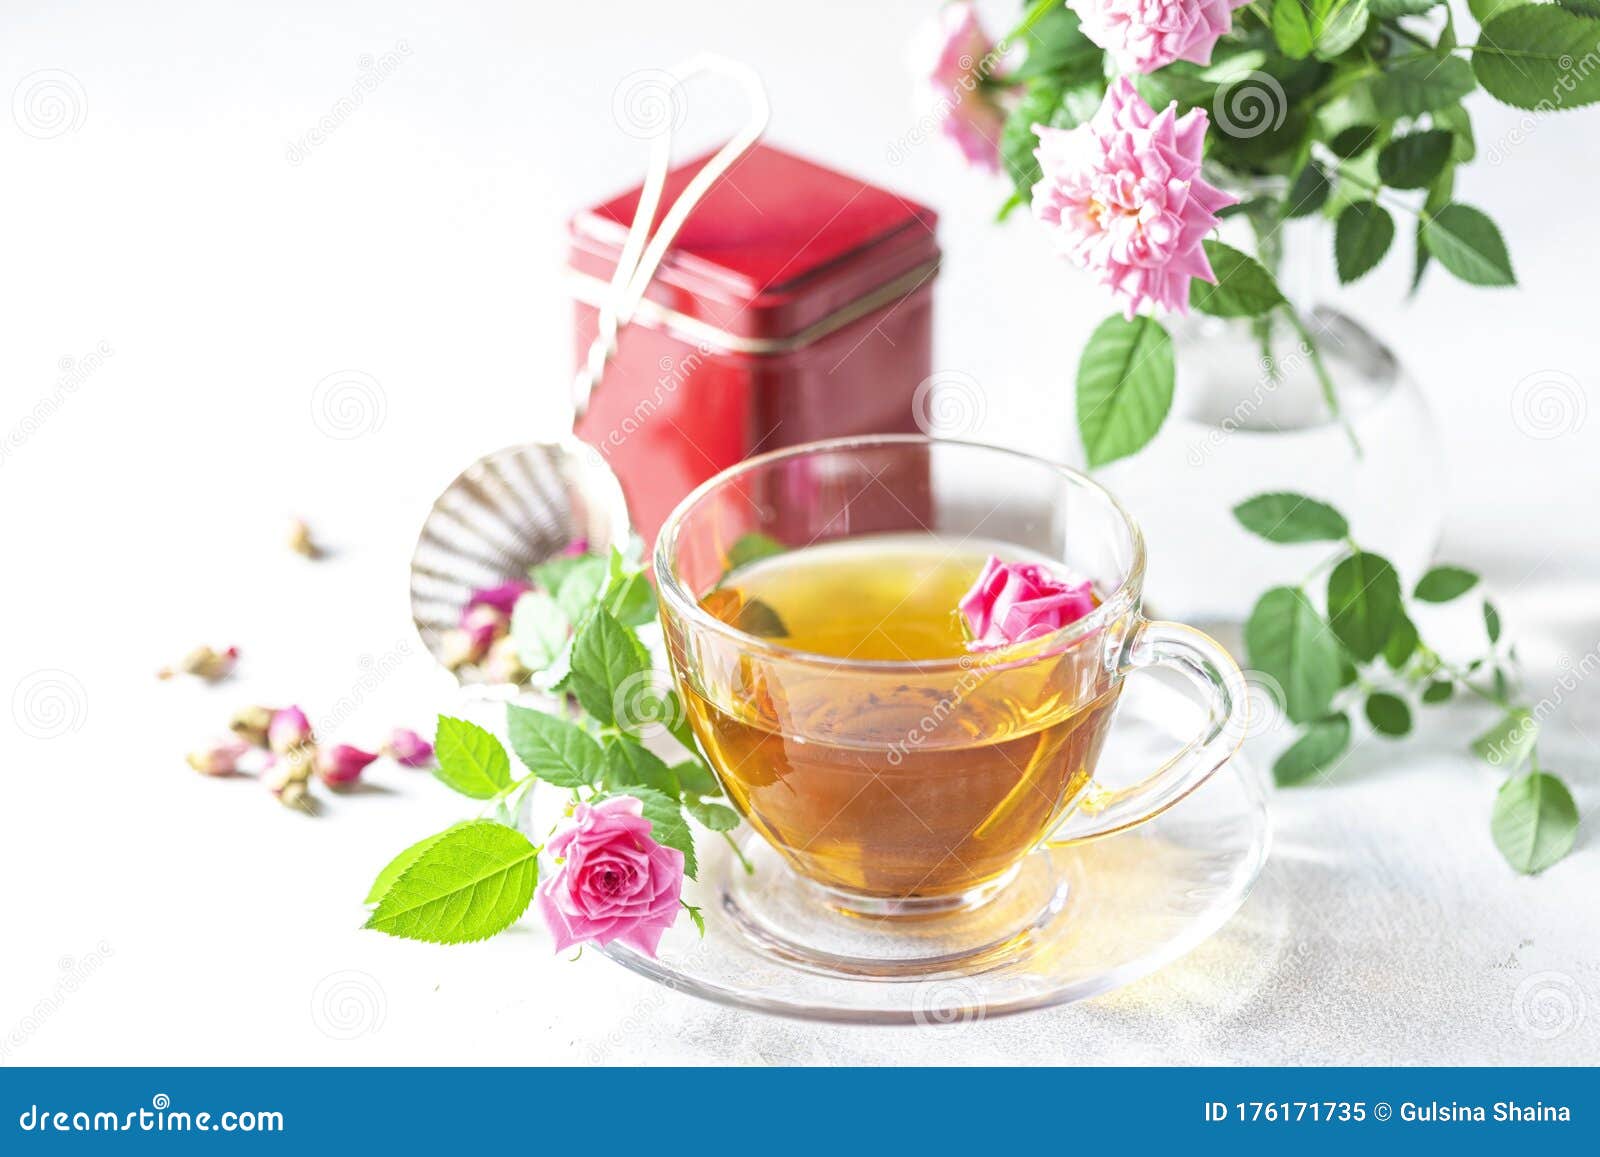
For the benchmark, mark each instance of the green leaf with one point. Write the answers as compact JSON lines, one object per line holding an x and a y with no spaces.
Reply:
{"x":1361,"y":238}
{"x":1047,"y":100}
{"x":1353,"y":140}
{"x":604,"y":655}
{"x":1535,"y":821}
{"x":1491,"y":621}
{"x":556,"y":750}
{"x":1438,"y":691}
{"x":1458,"y":122}
{"x":1538,"y":56}
{"x":470,"y":760}
{"x":1363,"y":603}
{"x":1286,"y":517}
{"x":1309,"y":191}
{"x":713,"y":815}
{"x":1291,"y":28}
{"x":581,"y":586}
{"x":696,"y":778}
{"x":1388,"y":714}
{"x":1439,"y":196}
{"x":629,"y":596}
{"x":1057,"y":47}
{"x":1323,"y":742}
{"x":667,"y":825}
{"x":1414,"y":160}
{"x":1393,"y":9}
{"x":552,"y":572}
{"x":400,"y":863}
{"x":539,"y":628}
{"x":1401,"y":644}
{"x":471,"y":882}
{"x":1125,"y":380}
{"x":758,"y":618}
{"x":753,"y":546}
{"x":628,"y":764}
{"x":1289,"y":641}
{"x":1469,"y":245}
{"x":1337,"y":25}
{"x":1421,"y":83}
{"x":1443,"y":583}
{"x":1509,"y":741}
{"x":1484,"y":11}
{"x":1243,"y":287}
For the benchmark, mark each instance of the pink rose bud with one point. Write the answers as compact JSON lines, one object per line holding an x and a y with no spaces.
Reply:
{"x":575,"y":548}
{"x":485,"y":623}
{"x":342,"y":764}
{"x":1015,"y":601}
{"x":220,"y":758}
{"x":209,"y":664}
{"x":1123,"y":198}
{"x":503,"y":663}
{"x":288,"y":730}
{"x":251,"y":724}
{"x":502,"y":598}
{"x":407,"y":748}
{"x":614,"y":881}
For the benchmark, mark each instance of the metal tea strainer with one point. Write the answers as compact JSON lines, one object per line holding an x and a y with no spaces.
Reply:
{"x":524,"y":504}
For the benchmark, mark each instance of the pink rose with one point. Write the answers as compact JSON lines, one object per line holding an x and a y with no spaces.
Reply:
{"x":614,"y":881}
{"x":957,"y":55}
{"x":1124,"y":198}
{"x":1015,"y":601}
{"x":1145,"y":35}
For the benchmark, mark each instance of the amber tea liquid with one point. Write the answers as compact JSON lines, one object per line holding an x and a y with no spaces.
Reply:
{"x":923,"y":780}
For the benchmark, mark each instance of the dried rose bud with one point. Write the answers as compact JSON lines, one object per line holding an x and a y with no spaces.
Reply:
{"x":576,"y":547}
{"x":407,"y":748}
{"x":251,"y":723}
{"x":288,"y":774}
{"x":460,"y":648}
{"x":502,"y":598}
{"x":485,"y":622}
{"x":502,"y":664}
{"x":210,"y":664}
{"x":289,"y":729}
{"x":221,"y":758}
{"x":300,"y":540}
{"x":342,"y":764}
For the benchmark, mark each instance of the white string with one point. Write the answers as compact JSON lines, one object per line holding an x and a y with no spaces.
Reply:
{"x":642,"y":252}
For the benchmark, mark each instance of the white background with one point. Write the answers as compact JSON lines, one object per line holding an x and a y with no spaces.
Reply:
{"x":419,"y":244}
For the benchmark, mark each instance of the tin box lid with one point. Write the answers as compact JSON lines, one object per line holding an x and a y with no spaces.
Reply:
{"x":778,"y":245}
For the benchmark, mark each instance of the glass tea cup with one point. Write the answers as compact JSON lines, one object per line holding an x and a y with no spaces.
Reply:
{"x":906,"y":788}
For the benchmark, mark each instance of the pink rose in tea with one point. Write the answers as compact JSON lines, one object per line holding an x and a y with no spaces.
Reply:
{"x":614,"y":882}
{"x":1015,"y":601}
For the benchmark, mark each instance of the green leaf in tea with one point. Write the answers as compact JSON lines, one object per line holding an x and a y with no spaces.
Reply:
{"x":605,"y":655}
{"x":1125,"y":381}
{"x":539,"y":628}
{"x":1364,"y":603}
{"x":472,"y":881}
{"x":470,"y":760}
{"x":1534,"y":822}
{"x":1443,"y":583}
{"x":1388,"y":714}
{"x":1526,"y":57}
{"x":1243,"y":288}
{"x":1509,"y":742}
{"x":667,"y":824}
{"x":1287,"y":639}
{"x":1414,"y":160}
{"x":1317,"y":749}
{"x":753,"y":546}
{"x":1469,"y":245}
{"x":556,"y":750}
{"x":1285,"y":517}
{"x":1361,"y":238}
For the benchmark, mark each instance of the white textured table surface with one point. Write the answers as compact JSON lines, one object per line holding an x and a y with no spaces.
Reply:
{"x":155,"y":916}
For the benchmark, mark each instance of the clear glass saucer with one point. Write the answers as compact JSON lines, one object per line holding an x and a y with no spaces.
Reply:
{"x":1076,"y":921}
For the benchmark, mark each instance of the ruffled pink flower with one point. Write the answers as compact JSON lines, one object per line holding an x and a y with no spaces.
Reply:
{"x":1015,"y":601}
{"x":1144,"y":35}
{"x":614,"y":882}
{"x":1124,"y":198}
{"x":957,"y":56}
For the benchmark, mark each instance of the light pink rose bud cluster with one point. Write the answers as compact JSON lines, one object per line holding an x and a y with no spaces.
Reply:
{"x":281,"y":746}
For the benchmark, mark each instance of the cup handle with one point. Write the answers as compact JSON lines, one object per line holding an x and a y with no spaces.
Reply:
{"x":1219,"y":685}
